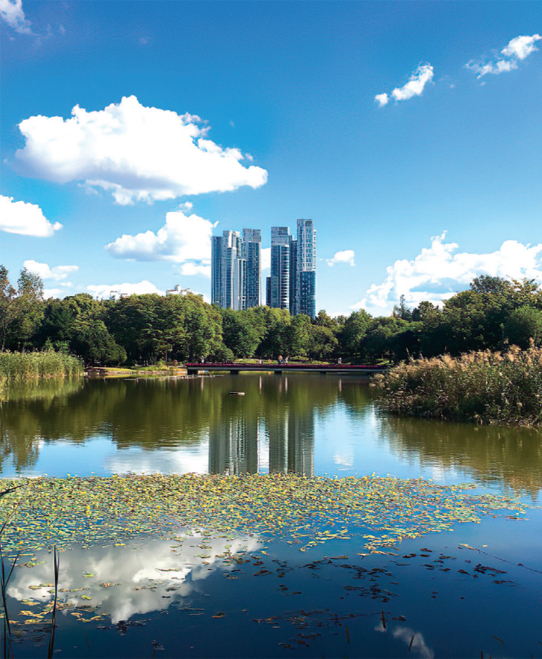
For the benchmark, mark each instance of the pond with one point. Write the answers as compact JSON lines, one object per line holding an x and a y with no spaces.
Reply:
{"x":272,"y":555}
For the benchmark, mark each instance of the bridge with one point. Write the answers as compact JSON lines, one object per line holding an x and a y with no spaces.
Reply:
{"x":274,"y":367}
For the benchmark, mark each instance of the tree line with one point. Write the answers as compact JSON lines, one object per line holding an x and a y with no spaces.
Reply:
{"x":491,"y":314}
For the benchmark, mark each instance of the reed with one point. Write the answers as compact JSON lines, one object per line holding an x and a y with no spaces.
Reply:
{"x":481,"y":387}
{"x":28,"y":366}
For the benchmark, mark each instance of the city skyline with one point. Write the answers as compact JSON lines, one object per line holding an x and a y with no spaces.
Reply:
{"x":236,"y":267}
{"x":409,"y":131}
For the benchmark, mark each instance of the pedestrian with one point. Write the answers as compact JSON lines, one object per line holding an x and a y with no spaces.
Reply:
{"x":279,"y":359}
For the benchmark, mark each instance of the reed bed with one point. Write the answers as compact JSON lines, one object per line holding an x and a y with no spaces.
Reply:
{"x":482,"y":387}
{"x":28,"y":366}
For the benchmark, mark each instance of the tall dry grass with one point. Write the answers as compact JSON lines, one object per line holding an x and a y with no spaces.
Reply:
{"x":483,"y":387}
{"x":27,"y":366}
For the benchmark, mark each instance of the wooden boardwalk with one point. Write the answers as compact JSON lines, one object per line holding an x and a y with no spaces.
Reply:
{"x":279,"y":369}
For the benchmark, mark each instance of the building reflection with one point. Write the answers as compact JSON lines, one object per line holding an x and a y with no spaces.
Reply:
{"x":282,"y":424}
{"x":233,"y":446}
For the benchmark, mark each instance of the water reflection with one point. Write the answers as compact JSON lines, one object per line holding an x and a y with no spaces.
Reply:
{"x":491,"y":454}
{"x":121,"y":582}
{"x":173,"y":417}
{"x":280,"y":424}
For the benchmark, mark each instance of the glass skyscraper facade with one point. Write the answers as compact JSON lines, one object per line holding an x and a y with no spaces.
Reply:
{"x":252,"y":252}
{"x":306,"y":268}
{"x":236,"y":269}
{"x":292,"y":284}
{"x":280,"y":268}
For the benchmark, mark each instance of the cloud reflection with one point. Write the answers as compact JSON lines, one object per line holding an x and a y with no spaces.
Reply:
{"x":143,"y":578}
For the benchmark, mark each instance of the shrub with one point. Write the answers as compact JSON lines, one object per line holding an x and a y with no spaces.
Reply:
{"x":25,"y":366}
{"x":484,"y":387}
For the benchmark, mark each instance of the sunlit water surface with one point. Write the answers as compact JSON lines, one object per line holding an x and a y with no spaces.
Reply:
{"x":434,"y":598}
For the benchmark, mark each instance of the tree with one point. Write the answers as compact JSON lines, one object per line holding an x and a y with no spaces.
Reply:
{"x":242,"y":331}
{"x":322,"y":319}
{"x":298,"y":335}
{"x":21,"y":309}
{"x":523,"y":325}
{"x":352,"y":334}
{"x":275,"y":340}
{"x":401,"y":310}
{"x":323,"y":343}
{"x":388,"y":338}
{"x":92,"y":341}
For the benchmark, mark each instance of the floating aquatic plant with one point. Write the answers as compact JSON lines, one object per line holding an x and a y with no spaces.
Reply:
{"x":305,"y":511}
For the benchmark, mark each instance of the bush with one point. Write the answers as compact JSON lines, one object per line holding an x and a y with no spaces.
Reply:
{"x":483,"y":387}
{"x":25,"y":366}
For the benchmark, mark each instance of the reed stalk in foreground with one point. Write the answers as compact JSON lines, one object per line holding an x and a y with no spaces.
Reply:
{"x":481,"y":387}
{"x":27,"y":366}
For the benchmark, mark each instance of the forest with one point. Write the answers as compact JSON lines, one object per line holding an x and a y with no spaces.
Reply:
{"x":492,"y":314}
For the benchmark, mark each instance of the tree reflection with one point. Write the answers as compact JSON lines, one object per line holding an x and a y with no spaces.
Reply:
{"x":492,"y":454}
{"x":158,"y":414}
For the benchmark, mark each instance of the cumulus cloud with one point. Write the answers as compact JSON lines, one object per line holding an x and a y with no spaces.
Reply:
{"x":25,"y":219}
{"x":517,"y":49}
{"x":265,"y":258}
{"x":382,"y":100}
{"x":520,"y":47}
{"x":190,"y":269}
{"x":347,"y":256}
{"x":438,"y":272}
{"x":57,"y":273}
{"x":184,"y":239}
{"x":116,"y":290}
{"x":137,"y":153}
{"x":11,"y":11}
{"x":49,"y":293}
{"x":414,"y":87}
{"x":415,"y":641}
{"x":151,"y":579}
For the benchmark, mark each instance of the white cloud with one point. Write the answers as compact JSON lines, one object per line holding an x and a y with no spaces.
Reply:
{"x":266,"y":258}
{"x":137,"y":153}
{"x":106,"y":290}
{"x":52,"y":292}
{"x":190,"y":269}
{"x":147,"y":577}
{"x":11,"y":11}
{"x":25,"y":219}
{"x":414,"y":87}
{"x":183,"y":239}
{"x":438,"y":272}
{"x":416,"y":84}
{"x":415,"y":641}
{"x":520,"y":47}
{"x":347,"y":256}
{"x":57,"y":273}
{"x":517,"y":49}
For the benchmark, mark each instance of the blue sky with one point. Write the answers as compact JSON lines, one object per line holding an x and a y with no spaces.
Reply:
{"x":410,"y":132}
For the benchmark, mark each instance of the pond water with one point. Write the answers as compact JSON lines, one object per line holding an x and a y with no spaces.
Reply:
{"x":474,"y":590}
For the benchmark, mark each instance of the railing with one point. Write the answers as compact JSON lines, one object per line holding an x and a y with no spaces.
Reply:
{"x":239,"y":366}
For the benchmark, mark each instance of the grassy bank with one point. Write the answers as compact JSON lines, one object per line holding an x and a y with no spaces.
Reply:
{"x":28,"y":366}
{"x":481,"y":387}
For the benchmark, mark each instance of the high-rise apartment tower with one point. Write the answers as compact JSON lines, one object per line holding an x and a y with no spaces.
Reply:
{"x":305,"y":296}
{"x":228,"y":271}
{"x":235,"y":269}
{"x":292,"y":284}
{"x":280,"y":268}
{"x":252,"y":250}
